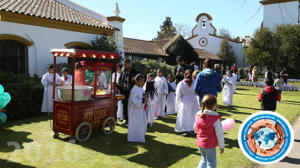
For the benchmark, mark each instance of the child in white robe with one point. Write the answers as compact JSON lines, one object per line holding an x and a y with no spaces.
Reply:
{"x":187,"y":104}
{"x":227,"y":94}
{"x":137,"y":121}
{"x":171,"y":99}
{"x":116,"y":75}
{"x":162,"y":92}
{"x":66,"y":78}
{"x":151,"y":103}
{"x":47,"y":82}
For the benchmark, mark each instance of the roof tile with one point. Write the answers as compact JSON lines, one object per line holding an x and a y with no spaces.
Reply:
{"x":51,"y":9}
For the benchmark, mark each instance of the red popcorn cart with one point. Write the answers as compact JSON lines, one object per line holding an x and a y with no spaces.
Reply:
{"x":88,"y":104}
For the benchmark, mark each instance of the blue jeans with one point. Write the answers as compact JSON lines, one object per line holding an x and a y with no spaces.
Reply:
{"x":209,"y":158}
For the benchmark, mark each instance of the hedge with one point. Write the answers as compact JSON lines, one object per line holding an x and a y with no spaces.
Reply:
{"x":26,"y":94}
{"x":146,"y":66}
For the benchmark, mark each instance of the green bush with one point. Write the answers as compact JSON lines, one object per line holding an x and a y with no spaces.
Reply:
{"x":26,"y":94}
{"x":146,"y":66}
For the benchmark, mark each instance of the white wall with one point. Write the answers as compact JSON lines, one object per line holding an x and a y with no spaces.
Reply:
{"x":281,"y":13}
{"x":119,"y":36}
{"x":44,"y":39}
{"x":214,"y":43}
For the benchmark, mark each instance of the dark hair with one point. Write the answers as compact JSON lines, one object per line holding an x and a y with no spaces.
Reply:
{"x":150,"y":89}
{"x":50,"y":67}
{"x":208,"y":101}
{"x":120,"y":66}
{"x":159,"y":70}
{"x":127,"y":60}
{"x":138,"y":77}
{"x":78,"y":65}
{"x":179,"y":58}
{"x":269,"y":81}
{"x":171,"y":76}
{"x":151,"y":75}
{"x":277,"y":75}
{"x":208,"y":64}
{"x":267,"y":68}
{"x":65,"y":69}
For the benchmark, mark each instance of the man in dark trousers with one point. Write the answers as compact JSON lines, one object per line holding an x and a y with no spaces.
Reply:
{"x":180,"y":69}
{"x":125,"y":84}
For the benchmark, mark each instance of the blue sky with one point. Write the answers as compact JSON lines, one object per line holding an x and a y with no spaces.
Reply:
{"x":143,"y":17}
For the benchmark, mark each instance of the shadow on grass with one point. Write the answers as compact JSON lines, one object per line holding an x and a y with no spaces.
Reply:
{"x":248,"y":94}
{"x":11,"y":140}
{"x":233,"y":109}
{"x":157,"y":154}
{"x":241,"y":88}
{"x":30,"y":120}
{"x":10,"y":164}
{"x":231,"y":143}
{"x":169,"y":119}
{"x":290,"y":102}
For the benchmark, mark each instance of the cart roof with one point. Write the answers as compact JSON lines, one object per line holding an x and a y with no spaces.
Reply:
{"x":84,"y":53}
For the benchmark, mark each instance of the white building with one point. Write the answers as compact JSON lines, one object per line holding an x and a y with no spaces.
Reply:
{"x":204,"y":38}
{"x":278,"y":12}
{"x":30,"y":29}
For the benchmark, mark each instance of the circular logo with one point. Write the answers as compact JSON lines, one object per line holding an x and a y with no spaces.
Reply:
{"x":203,"y":42}
{"x":266,"y":137}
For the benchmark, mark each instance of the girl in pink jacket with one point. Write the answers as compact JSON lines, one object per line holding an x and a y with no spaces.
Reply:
{"x":209,"y":131}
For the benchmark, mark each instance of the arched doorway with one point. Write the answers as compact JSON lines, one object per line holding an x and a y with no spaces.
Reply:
{"x":13,"y":56}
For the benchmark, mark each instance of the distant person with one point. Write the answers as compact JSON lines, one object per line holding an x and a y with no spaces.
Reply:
{"x":48,"y":82}
{"x":115,"y":80}
{"x":187,"y":105}
{"x":137,"y":125}
{"x":268,"y":73}
{"x":269,"y":96}
{"x":234,"y":68}
{"x":209,"y":130}
{"x":207,"y":81}
{"x":66,"y":78}
{"x":79,"y":76}
{"x":278,"y":83}
{"x":254,"y":74}
{"x":161,"y":85}
{"x":125,"y":84}
{"x":171,"y":99}
{"x":180,"y":69}
{"x":284,"y":75}
{"x":228,"y":90}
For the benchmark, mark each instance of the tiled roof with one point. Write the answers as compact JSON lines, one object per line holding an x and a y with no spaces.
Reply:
{"x":143,"y":47}
{"x":203,"y":54}
{"x":51,"y":9}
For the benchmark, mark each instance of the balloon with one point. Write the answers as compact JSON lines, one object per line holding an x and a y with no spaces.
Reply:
{"x":1,"y":89}
{"x":4,"y":99}
{"x":3,"y":118}
{"x":228,"y":124}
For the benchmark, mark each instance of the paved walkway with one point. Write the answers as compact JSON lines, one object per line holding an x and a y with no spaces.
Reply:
{"x":293,"y":159}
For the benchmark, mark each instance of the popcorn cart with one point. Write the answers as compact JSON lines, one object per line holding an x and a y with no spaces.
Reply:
{"x":89,"y":104}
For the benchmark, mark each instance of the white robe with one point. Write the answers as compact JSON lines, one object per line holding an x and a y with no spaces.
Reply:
{"x":235,"y":76}
{"x":47,"y":81}
{"x":187,"y":105}
{"x":150,"y":110}
{"x":227,"y":93}
{"x":120,"y":104}
{"x":137,"y":125}
{"x":69,"y":80}
{"x":171,"y":100}
{"x":161,"y":90}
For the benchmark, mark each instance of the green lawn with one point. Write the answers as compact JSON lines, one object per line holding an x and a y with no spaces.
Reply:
{"x":163,"y":148}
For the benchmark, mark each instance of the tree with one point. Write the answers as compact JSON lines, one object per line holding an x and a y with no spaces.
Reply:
{"x":184,"y":30}
{"x":263,"y":49}
{"x":226,"y":54}
{"x":104,"y":43}
{"x":167,"y":30}
{"x":183,"y":48}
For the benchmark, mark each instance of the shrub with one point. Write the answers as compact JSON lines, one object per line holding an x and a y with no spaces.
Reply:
{"x":146,"y":66}
{"x":26,"y":94}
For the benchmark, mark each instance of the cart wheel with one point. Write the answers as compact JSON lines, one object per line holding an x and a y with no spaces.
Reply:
{"x":83,"y":131}
{"x":108,"y":125}
{"x":56,"y":135}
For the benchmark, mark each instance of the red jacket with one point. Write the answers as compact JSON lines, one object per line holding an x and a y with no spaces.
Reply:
{"x":269,"y":89}
{"x":206,"y":135}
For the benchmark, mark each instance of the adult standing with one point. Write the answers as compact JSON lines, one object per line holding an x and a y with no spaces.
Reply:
{"x":208,"y":81}
{"x":125,"y":84}
{"x":180,"y":69}
{"x":268,"y":73}
{"x":116,"y":75}
{"x":284,"y":75}
{"x":161,"y":85}
{"x":254,"y":74}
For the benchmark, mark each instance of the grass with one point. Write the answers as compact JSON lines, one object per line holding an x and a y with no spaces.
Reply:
{"x":29,"y":143}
